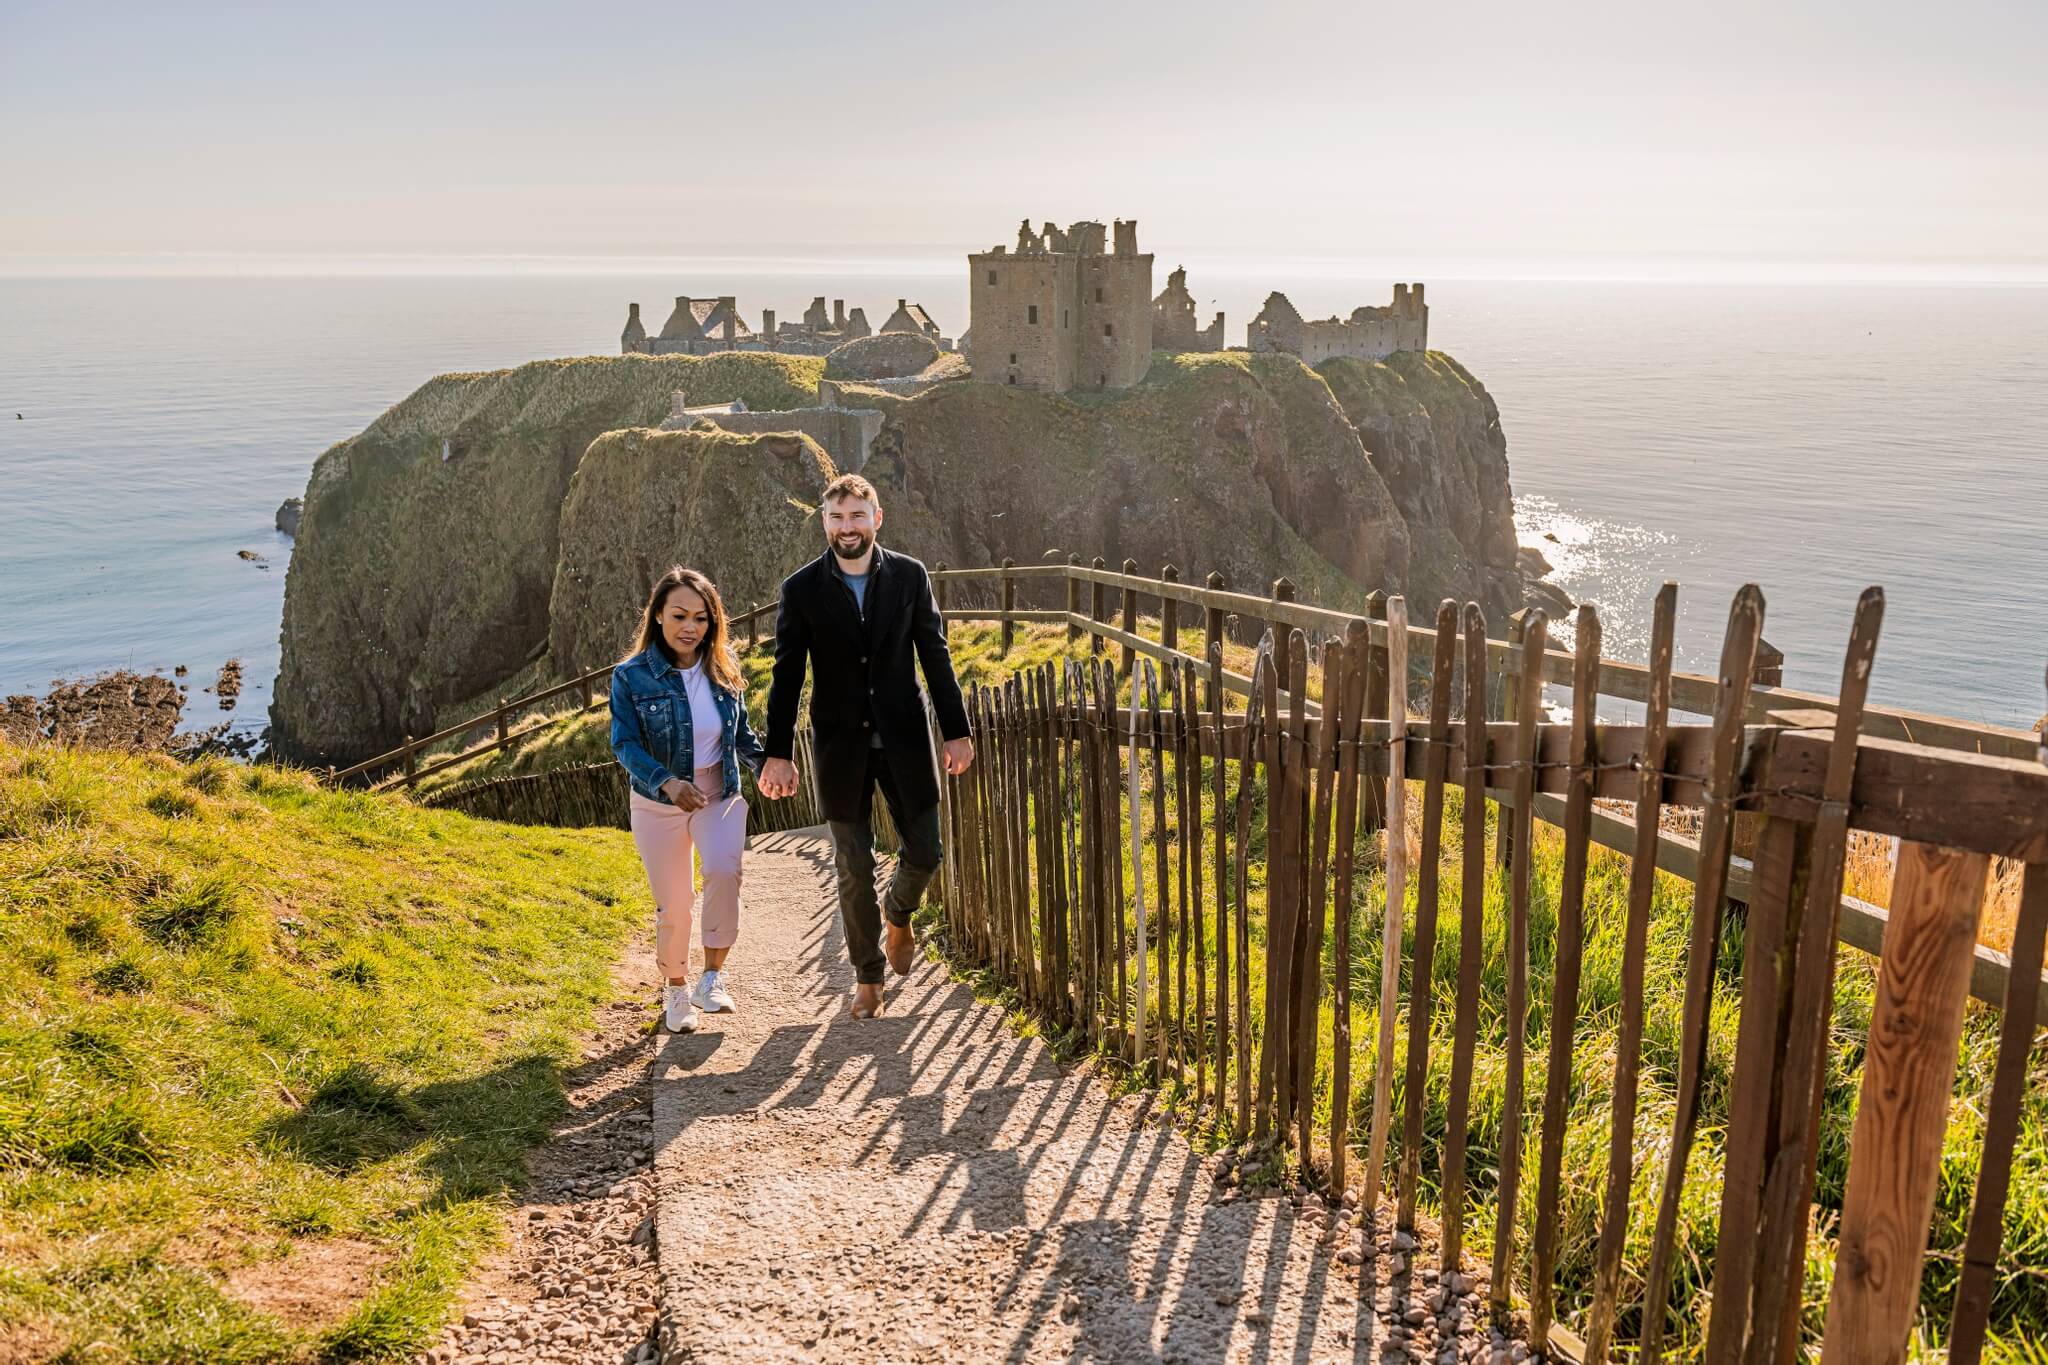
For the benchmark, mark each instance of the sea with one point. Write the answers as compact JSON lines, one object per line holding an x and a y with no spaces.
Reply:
{"x":1812,"y":430}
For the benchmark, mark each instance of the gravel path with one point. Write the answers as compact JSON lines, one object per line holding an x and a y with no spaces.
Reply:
{"x":930,"y":1187}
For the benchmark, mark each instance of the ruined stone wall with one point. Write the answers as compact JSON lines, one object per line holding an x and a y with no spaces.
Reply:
{"x":1368,"y":334}
{"x":1023,"y":313}
{"x":845,"y":433}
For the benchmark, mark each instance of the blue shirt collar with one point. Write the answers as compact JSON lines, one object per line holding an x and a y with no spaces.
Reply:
{"x":658,"y":661}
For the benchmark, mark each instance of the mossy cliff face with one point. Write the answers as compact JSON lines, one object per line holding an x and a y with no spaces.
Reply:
{"x":1356,"y":476}
{"x":1434,"y":434}
{"x":1234,"y":463}
{"x":418,"y":580}
{"x":740,"y":509}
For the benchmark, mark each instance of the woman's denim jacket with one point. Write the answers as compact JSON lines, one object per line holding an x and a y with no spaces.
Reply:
{"x":651,"y":732}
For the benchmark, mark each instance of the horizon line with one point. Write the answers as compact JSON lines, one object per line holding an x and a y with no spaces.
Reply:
{"x":939,"y":262}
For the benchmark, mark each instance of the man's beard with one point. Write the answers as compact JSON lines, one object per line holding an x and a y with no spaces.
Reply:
{"x":839,"y":548}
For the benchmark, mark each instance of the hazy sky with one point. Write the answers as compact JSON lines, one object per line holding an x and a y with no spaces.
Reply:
{"x":1870,"y":131}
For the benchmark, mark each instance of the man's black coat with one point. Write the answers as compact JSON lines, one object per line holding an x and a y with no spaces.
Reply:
{"x":863,"y":678}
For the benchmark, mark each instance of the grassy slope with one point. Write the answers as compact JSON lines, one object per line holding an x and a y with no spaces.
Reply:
{"x":249,"y":1022}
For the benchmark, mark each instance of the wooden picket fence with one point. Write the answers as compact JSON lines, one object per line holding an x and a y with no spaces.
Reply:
{"x":596,"y":794}
{"x":1106,"y":855}
{"x":500,"y":727}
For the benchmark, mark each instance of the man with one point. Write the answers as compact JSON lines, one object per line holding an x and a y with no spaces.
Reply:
{"x":859,"y":614}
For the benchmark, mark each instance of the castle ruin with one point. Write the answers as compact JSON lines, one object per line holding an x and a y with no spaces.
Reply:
{"x":1060,"y":312}
{"x":707,"y":326}
{"x":846,"y":433}
{"x":1368,"y":334}
{"x":1173,"y":319}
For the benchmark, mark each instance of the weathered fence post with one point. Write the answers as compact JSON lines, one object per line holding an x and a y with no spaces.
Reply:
{"x":1212,"y":622}
{"x":939,"y":594}
{"x":1499,"y":699}
{"x":1073,"y":598}
{"x":1372,"y":800}
{"x":1130,"y":601}
{"x":1169,"y":611}
{"x":1283,"y":591}
{"x":1767,"y":671}
{"x":583,"y":689}
{"x":412,"y":766}
{"x":503,"y":727}
{"x":1009,"y":605}
{"x":1098,"y":608}
{"x":1909,"y":1071}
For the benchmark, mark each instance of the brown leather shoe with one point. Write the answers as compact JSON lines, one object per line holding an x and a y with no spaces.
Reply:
{"x":867,"y":1001}
{"x":900,"y":947}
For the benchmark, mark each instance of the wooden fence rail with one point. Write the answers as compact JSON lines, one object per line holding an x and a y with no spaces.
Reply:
{"x":1080,"y":871}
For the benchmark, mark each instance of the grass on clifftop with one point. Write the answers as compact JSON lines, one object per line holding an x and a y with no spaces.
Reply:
{"x":270,"y":1056}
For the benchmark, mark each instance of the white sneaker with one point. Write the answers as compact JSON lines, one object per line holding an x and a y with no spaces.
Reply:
{"x":676,"y":1009}
{"x":711,"y":996}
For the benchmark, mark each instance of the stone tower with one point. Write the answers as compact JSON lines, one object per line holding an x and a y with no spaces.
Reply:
{"x":1065,"y":310}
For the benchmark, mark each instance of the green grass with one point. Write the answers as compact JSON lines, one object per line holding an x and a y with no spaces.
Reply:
{"x":247,"y":1025}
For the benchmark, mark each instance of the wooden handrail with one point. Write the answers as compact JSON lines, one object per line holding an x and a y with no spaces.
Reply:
{"x":1618,"y":679}
{"x":583,"y":683}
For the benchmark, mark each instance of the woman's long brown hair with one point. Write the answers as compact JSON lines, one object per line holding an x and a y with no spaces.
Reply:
{"x":715,"y":649}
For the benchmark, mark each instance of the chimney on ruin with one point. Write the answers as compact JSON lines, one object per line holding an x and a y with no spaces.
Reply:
{"x":634,"y":338}
{"x":1126,"y":237}
{"x":768,"y":325}
{"x":1415,"y":298}
{"x":839,"y":315}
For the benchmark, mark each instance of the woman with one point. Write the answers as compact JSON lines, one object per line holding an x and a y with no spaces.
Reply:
{"x":679,"y":728}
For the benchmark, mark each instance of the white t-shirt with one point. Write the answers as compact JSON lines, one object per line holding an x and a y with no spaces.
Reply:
{"x":707,"y":729}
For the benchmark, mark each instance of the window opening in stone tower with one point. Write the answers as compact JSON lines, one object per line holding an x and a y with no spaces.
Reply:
{"x":1032,"y":309}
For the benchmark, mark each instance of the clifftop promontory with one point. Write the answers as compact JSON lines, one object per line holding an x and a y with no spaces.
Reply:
{"x":489,"y":521}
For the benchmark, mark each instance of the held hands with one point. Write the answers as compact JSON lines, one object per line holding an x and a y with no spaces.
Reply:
{"x":958,"y":754}
{"x":685,"y":794}
{"x":778,"y":779}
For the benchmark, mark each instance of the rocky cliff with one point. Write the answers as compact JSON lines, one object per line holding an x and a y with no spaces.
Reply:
{"x":1433,"y":433}
{"x":427,"y":549}
{"x":490,"y":519}
{"x":736,"y":508}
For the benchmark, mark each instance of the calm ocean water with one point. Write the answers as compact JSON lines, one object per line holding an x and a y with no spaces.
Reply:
{"x":1815,"y":438}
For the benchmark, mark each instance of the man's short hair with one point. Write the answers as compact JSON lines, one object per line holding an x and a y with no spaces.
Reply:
{"x":851,"y":486}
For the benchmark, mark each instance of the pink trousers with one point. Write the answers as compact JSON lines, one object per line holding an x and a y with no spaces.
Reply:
{"x":665,"y":834}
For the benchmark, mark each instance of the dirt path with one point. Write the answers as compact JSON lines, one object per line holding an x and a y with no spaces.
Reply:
{"x":930,"y":1187}
{"x":575,"y":1280}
